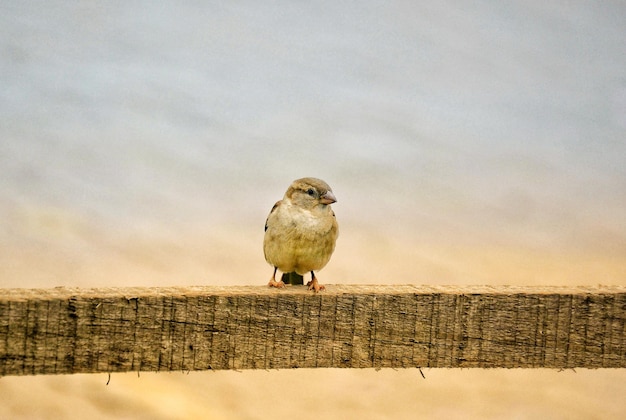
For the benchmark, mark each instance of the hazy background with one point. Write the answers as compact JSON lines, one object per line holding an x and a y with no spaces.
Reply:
{"x":467,"y":142}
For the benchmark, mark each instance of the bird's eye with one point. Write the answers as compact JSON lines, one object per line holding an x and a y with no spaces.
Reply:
{"x":311,"y":192}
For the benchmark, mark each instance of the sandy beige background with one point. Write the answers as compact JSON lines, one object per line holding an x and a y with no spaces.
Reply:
{"x":467,"y":143}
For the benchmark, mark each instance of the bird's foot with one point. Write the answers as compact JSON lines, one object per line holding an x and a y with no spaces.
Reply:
{"x":278,"y":284}
{"x":315,"y":286}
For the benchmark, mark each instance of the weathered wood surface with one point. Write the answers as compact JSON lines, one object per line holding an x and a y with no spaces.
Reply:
{"x":63,"y":330}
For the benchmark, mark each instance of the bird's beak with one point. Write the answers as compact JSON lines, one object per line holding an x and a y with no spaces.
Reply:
{"x":328,"y":198}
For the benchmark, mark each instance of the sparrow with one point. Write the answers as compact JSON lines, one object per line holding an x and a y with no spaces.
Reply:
{"x":300,"y":232}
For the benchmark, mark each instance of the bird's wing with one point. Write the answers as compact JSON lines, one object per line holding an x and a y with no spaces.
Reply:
{"x":271,"y":211}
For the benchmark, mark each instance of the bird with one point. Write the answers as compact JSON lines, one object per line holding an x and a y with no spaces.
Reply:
{"x":300,"y":233}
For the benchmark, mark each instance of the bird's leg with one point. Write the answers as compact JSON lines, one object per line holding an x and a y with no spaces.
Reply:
{"x":273,"y":282}
{"x":314,"y":285}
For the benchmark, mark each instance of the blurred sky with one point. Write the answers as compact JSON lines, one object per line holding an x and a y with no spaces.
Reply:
{"x":452,"y":131}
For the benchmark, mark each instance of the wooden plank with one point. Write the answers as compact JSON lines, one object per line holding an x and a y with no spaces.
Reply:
{"x":66,"y":330}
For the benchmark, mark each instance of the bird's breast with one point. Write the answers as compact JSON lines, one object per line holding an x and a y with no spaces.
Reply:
{"x":305,"y":223}
{"x":300,"y":240}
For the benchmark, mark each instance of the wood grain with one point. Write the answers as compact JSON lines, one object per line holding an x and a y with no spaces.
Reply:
{"x":65,"y":330}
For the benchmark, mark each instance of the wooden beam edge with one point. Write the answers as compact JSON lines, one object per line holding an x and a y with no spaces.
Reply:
{"x":20,"y":294}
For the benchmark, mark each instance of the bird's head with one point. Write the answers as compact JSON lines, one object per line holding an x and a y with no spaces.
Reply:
{"x":309,"y":193}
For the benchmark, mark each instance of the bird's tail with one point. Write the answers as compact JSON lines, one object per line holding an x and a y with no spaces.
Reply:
{"x":293,"y":278}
